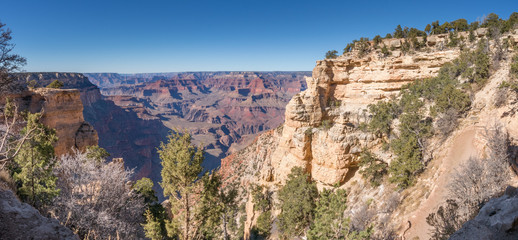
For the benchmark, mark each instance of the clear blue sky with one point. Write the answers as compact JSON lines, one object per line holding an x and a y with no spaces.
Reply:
{"x":193,"y":35}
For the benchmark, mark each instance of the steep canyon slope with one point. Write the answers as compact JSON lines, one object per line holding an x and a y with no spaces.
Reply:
{"x":323,"y":133}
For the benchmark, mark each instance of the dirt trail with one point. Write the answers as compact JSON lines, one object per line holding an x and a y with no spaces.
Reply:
{"x":459,"y":151}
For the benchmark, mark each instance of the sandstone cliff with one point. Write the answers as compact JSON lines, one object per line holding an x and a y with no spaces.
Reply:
{"x":322,"y":134}
{"x":320,"y":131}
{"x":62,"y":109}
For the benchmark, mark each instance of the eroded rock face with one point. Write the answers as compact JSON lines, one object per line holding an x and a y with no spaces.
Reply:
{"x":63,"y":110}
{"x":321,"y":132}
{"x":496,"y":220}
{"x":21,"y":221}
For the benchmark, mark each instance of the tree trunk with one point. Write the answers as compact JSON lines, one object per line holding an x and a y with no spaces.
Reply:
{"x":225,"y":234}
{"x":187,"y":217}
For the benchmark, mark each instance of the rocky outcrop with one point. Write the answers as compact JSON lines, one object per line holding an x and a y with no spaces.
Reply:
{"x":63,"y":110}
{"x":21,"y":221}
{"x":321,"y":132}
{"x":498,"y":219}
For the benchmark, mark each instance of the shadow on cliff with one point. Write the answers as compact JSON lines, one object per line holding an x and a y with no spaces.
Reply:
{"x":124,"y":135}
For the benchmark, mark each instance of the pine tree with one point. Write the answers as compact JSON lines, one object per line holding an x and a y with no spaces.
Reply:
{"x":428,"y":28}
{"x":181,"y":167}
{"x":398,"y":32}
{"x":153,"y":227}
{"x":377,"y":40}
{"x":435,"y":27}
{"x":297,"y":203}
{"x":330,"y":220}
{"x":372,"y":168}
{"x":264,"y":224}
{"x":34,"y":164}
{"x":218,"y":208}
{"x":262,"y":204}
{"x":384,"y":112}
{"x":332,"y":54}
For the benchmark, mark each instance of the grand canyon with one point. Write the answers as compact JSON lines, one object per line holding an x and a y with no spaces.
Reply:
{"x":408,"y":136}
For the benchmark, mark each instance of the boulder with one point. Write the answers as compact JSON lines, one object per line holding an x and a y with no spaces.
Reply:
{"x":496,"y":220}
{"x":481,"y":32}
{"x":22,"y":221}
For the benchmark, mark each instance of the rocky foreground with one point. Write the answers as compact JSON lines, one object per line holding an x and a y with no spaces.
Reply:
{"x":22,"y":221}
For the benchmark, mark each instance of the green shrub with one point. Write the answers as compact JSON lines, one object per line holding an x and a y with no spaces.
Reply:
{"x":482,"y":63}
{"x":454,"y":98}
{"x":330,"y":220}
{"x":326,"y":124}
{"x":405,"y":47}
{"x":297,"y":203}
{"x":331,"y":54}
{"x":408,"y":147}
{"x":471,"y":36}
{"x":383,"y":112}
{"x":260,"y":199}
{"x":348,"y":48}
{"x":56,"y":84}
{"x":407,"y":164}
{"x":371,"y":168}
{"x":263,"y":226}
{"x":454,"y":40}
{"x":377,"y":40}
{"x":385,"y":51}
{"x":513,"y":71}
{"x":362,"y":46}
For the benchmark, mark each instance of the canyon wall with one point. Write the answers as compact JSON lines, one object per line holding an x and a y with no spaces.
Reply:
{"x":120,"y":131}
{"x":222,"y":110}
{"x":321,"y":130}
{"x":62,"y":109}
{"x":322,"y":133}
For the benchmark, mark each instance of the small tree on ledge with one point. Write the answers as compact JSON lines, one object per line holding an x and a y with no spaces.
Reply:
{"x":331,"y":54}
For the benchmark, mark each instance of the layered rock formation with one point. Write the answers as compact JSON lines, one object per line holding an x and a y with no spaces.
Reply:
{"x":62,"y":110}
{"x":223,"y":110}
{"x":321,"y":132}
